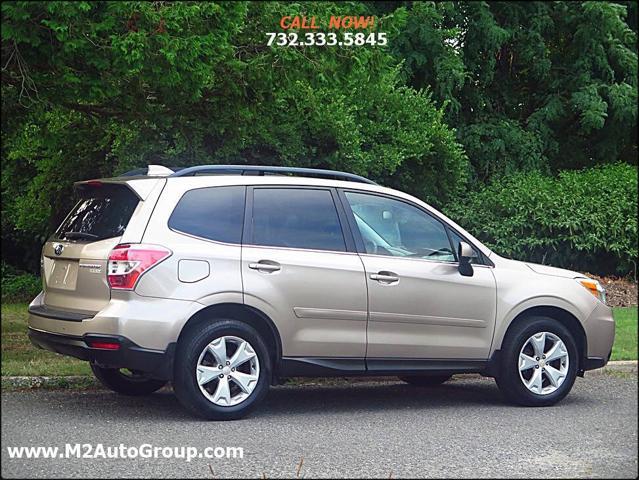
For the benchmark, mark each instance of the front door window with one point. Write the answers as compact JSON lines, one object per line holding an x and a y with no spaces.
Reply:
{"x":395,"y":228}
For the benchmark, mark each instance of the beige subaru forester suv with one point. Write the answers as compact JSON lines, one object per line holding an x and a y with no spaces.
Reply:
{"x":226,"y":279}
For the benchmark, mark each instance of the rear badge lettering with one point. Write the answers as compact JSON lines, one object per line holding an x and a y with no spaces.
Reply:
{"x":93,"y":267}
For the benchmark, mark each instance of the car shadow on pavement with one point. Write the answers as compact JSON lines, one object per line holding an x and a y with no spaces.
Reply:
{"x":305,"y":399}
{"x":369,"y":397}
{"x":362,"y":397}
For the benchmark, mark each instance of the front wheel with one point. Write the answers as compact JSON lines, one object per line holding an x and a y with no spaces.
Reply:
{"x":538,"y":362}
{"x":126,"y":382}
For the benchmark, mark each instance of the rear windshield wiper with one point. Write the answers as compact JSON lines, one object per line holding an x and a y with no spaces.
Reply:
{"x":79,"y":235}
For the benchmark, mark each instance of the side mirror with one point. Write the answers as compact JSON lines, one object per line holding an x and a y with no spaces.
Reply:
{"x":465,"y":253}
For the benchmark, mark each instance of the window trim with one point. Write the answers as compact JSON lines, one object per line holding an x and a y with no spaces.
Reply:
{"x":199,"y":237}
{"x":361,"y":249}
{"x":347,"y":234}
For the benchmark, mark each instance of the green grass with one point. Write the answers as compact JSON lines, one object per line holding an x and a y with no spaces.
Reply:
{"x":625,"y":347}
{"x":19,"y":357}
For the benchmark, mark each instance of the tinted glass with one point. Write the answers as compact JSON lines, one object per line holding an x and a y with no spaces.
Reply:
{"x":102,"y":212}
{"x":216,"y":213}
{"x":395,"y":228}
{"x":296,"y":218}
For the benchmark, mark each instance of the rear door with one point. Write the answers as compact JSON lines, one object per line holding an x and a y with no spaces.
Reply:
{"x":299,"y":267}
{"x":74,"y":259}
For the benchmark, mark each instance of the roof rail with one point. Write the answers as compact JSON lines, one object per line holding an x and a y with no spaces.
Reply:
{"x":260,"y":170}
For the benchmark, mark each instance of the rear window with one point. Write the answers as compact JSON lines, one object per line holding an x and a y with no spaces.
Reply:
{"x":103,"y":212}
{"x":216,"y":213}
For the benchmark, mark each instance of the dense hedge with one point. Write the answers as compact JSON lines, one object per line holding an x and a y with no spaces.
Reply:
{"x":19,"y":286}
{"x":584,"y":220}
{"x":463,"y":91}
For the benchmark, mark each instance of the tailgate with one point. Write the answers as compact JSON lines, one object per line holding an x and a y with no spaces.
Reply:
{"x":74,"y":260}
{"x":75,"y":279}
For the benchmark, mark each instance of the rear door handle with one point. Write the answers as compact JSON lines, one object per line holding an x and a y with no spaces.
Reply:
{"x":262,"y":266}
{"x":385,"y":277}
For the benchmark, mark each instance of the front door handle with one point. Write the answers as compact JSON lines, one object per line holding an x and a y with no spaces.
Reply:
{"x":262,"y":266}
{"x":387,"y":278}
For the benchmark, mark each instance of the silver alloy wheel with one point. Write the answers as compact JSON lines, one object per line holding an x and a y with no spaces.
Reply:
{"x":228,"y":371}
{"x":543,"y":363}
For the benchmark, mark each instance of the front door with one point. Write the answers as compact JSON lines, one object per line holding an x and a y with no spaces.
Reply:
{"x":420,"y":306}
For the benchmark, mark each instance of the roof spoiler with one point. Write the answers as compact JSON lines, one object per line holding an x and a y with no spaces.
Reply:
{"x":140,"y":187}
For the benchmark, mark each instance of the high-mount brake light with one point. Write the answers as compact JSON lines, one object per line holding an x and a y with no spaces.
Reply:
{"x":128,"y":261}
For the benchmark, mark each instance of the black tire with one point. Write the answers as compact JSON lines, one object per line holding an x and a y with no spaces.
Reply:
{"x":134,"y":383}
{"x":185,"y":382}
{"x":425,"y":380}
{"x":508,"y":377}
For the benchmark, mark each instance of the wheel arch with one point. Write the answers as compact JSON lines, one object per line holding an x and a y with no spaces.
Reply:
{"x":244,"y":313}
{"x":563,"y":316}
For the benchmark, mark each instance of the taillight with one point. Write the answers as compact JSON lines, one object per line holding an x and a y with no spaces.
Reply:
{"x":127,"y":262}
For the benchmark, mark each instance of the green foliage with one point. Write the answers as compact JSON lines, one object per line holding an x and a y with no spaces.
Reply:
{"x":92,"y":89}
{"x":502,"y":147}
{"x":584,"y":220}
{"x":18,"y":286}
{"x":528,"y":85}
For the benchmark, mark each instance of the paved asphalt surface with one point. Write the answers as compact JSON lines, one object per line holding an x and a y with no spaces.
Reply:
{"x":342,"y":430}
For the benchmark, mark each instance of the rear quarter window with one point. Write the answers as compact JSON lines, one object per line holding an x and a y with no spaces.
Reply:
{"x":214,"y":213}
{"x":102,"y":212}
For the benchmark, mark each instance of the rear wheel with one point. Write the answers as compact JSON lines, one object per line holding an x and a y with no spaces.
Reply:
{"x":126,"y":382}
{"x":539,"y":362}
{"x":425,"y":380}
{"x":222,"y":370}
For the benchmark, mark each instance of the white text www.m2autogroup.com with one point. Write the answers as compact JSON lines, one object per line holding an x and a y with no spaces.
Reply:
{"x":99,"y":450}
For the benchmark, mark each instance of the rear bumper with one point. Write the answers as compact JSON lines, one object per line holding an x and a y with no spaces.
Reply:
{"x":158,"y":363}
{"x":149,"y":322}
{"x":47,"y":312}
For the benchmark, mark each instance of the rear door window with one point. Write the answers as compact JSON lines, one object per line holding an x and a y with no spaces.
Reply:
{"x":103,"y":212}
{"x":215,"y":213}
{"x":296,"y":218}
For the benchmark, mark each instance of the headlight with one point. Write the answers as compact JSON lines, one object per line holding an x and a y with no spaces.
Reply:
{"x":594,"y":287}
